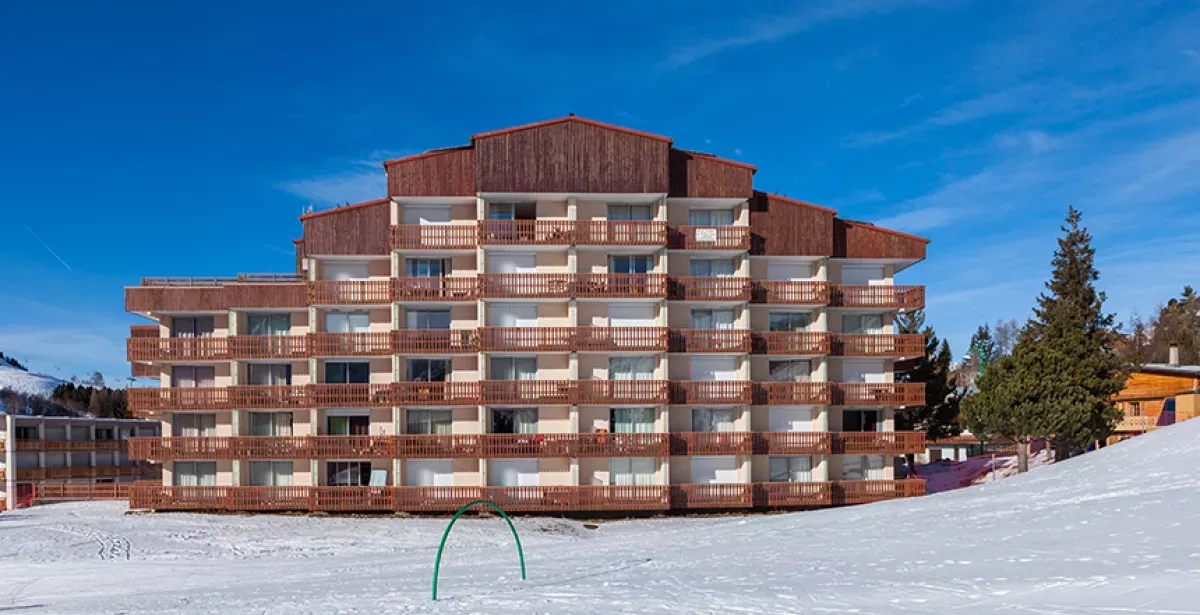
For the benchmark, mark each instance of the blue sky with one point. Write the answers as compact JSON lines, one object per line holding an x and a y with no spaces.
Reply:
{"x":184,"y":138}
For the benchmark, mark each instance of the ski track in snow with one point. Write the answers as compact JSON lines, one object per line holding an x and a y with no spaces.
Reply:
{"x":1115,"y":532}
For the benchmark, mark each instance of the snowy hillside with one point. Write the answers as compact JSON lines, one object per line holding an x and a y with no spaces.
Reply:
{"x":27,"y":383}
{"x":1113,"y":532}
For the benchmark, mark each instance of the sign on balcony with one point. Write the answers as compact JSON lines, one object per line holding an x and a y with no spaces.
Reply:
{"x":707,"y":235}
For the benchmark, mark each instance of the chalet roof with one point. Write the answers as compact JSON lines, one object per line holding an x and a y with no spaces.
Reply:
{"x":569,"y":118}
{"x":1166,"y":369}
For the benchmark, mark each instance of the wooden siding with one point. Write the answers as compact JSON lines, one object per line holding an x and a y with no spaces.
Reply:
{"x":175,"y":298}
{"x":448,"y":172}
{"x":860,"y":240}
{"x":780,"y":227}
{"x":299,"y":256}
{"x":696,"y":175}
{"x":571,"y":157}
{"x":290,"y":295}
{"x":351,"y":230}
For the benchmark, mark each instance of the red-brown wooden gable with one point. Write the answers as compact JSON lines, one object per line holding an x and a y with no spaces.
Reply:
{"x":357,"y":229}
{"x":783,"y":227}
{"x":698,"y":175}
{"x":859,"y":240}
{"x":442,"y":173}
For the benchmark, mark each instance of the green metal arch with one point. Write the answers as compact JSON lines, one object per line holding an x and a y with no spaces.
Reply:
{"x":437,"y":564}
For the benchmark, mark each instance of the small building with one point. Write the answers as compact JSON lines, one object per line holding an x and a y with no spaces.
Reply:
{"x":1157,"y":394}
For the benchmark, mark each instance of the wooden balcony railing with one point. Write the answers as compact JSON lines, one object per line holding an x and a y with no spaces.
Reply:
{"x":527,"y":339}
{"x":620,"y":233}
{"x":622,"y":392}
{"x":804,"y":495}
{"x":525,"y":285}
{"x":65,"y":492}
{"x":374,"y":343}
{"x":712,"y":443}
{"x":144,"y":370}
{"x":526,"y":233}
{"x":527,"y":392}
{"x":879,"y":442}
{"x":710,"y":340}
{"x":177,"y":348}
{"x":704,"y":496}
{"x":791,"y":393}
{"x":268,"y":346}
{"x":715,"y":392}
{"x":145,"y":331}
{"x":623,"y":445}
{"x":454,"y":288}
{"x":865,"y":491}
{"x":877,"y":345}
{"x":438,"y":341}
{"x":620,"y":339}
{"x":727,"y":288}
{"x":350,"y":292}
{"x":436,"y":393}
{"x":1134,"y":424}
{"x":433,"y":237}
{"x":793,"y":443}
{"x":796,"y":343}
{"x":85,"y":472}
{"x":178,"y":398}
{"x":67,"y":445}
{"x":351,"y":395}
{"x":269,"y":396}
{"x":620,"y":286}
{"x":877,"y":394}
{"x":709,"y":238}
{"x":787,"y":292}
{"x":884,"y":296}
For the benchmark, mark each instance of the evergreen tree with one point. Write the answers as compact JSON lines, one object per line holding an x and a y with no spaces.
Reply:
{"x":938,"y":417}
{"x":912,"y":321}
{"x":984,"y":346}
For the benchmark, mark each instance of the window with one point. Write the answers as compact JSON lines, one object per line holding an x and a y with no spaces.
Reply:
{"x":1135,"y":408}
{"x":712,"y":267}
{"x":631,"y":368}
{"x":195,"y":474}
{"x":347,"y":473}
{"x":632,"y":471}
{"x":104,"y":460}
{"x":630,"y":263}
{"x":107,"y":433}
{"x":428,"y":370}
{"x":790,"y":321}
{"x":427,"y":319}
{"x":428,"y":421}
{"x":512,"y":211}
{"x":429,"y":472}
{"x":514,"y":420}
{"x":791,"y":469}
{"x":712,"y":419}
{"x":863,"y":467}
{"x":862,"y":323}
{"x":710,"y":217}
{"x":191,"y":425}
{"x":347,"y":322}
{"x":618,"y":213}
{"x":271,"y":473}
{"x":513,"y":473}
{"x":348,"y":425}
{"x":712,"y":319}
{"x":268,"y":374}
{"x":347,"y":373}
{"x":268,"y":324}
{"x":189,"y":376}
{"x":80,"y":432}
{"x":862,"y":420}
{"x":426,"y":267}
{"x":192,"y":326}
{"x":632,"y":420}
{"x":513,"y":368}
{"x":270,"y":423}
{"x":27,"y":432}
{"x":790,"y":371}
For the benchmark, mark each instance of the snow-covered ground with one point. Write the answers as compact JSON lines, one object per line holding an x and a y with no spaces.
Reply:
{"x":27,"y":383}
{"x":1112,"y":532}
{"x":947,"y":475}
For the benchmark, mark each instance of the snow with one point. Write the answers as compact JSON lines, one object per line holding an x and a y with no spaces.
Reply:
{"x":27,"y":383}
{"x":1111,"y":532}
{"x":946,"y":475}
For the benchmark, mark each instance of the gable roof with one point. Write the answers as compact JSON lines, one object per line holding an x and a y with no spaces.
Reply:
{"x":338,"y":210}
{"x":570,"y":118}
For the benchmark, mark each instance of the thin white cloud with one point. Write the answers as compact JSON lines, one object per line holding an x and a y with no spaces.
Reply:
{"x":1192,"y":53}
{"x":60,"y":351}
{"x":1023,"y":98}
{"x":341,"y":188}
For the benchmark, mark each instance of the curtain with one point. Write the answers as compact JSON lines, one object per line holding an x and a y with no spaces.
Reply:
{"x":632,"y":471}
{"x":525,"y":420}
{"x":195,"y":474}
{"x":791,"y":469}
{"x":633,"y":420}
{"x":712,"y":420}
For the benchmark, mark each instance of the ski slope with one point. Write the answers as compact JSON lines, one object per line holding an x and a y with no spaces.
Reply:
{"x":27,"y":383}
{"x":1113,"y":532}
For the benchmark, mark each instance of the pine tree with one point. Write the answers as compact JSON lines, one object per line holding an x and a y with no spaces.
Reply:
{"x":938,"y":417}
{"x":983,"y":346}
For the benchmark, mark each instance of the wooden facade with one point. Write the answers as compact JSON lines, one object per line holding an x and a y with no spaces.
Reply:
{"x":446,"y":172}
{"x":780,"y":226}
{"x":862,"y":240}
{"x":356,"y":229}
{"x":1147,"y":390}
{"x":696,"y":175}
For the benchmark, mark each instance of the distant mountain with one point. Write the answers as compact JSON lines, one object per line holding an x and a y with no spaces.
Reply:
{"x":27,"y":383}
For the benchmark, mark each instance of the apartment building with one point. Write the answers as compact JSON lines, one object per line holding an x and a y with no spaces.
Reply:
{"x":50,"y":452}
{"x":567,"y":316}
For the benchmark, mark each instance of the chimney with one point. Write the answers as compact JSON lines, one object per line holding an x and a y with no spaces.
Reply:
{"x":1173,"y":355}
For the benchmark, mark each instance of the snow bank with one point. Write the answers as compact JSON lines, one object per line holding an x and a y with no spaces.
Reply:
{"x":1114,"y":531}
{"x":27,"y":383}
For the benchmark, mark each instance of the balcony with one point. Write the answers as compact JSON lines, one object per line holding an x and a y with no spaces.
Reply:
{"x":50,"y":446}
{"x":527,"y":392}
{"x":785,"y":292}
{"x":866,"y":491}
{"x":730,"y":238}
{"x":621,"y":233}
{"x":527,"y":339}
{"x":622,"y":392}
{"x":785,"y":495}
{"x":350,"y":292}
{"x":710,"y":392}
{"x":268,"y":346}
{"x":435,"y":341}
{"x":905,"y":345}
{"x":144,"y":370}
{"x":85,"y":472}
{"x":448,"y":289}
{"x":433,"y":237}
{"x":269,"y":396}
{"x":886,"y":297}
{"x":795,"y":343}
{"x":712,"y":443}
{"x":877,"y":394}
{"x":525,"y":285}
{"x":729,"y":288}
{"x":879,"y":443}
{"x":620,"y":286}
{"x":1137,"y":424}
{"x":351,"y":395}
{"x":436,"y":393}
{"x":526,"y":233}
{"x":791,"y":393}
{"x":216,"y":294}
{"x":705,"y":496}
{"x":177,"y":348}
{"x":366,"y":344}
{"x":620,"y":339}
{"x":735,"y":341}
{"x":793,"y":443}
{"x":143,"y":399}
